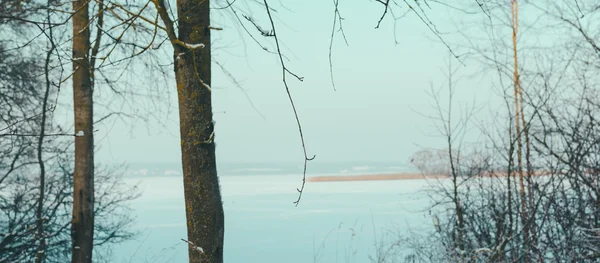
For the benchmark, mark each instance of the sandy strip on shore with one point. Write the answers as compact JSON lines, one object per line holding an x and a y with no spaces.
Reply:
{"x":399,"y":176}
{"x":373,"y":177}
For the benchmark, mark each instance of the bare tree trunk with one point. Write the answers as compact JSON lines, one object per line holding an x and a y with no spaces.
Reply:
{"x":518,"y":121}
{"x":453,"y":169}
{"x":82,"y":224}
{"x":204,"y":209}
{"x":530,"y":227}
{"x":510,"y":173}
{"x":41,"y":237}
{"x":457,"y":206}
{"x":39,"y":213}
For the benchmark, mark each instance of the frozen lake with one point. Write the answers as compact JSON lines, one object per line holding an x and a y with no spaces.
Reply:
{"x":334,"y":222}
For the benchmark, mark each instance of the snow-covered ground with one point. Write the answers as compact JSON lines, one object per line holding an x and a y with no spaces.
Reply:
{"x":335,"y":222}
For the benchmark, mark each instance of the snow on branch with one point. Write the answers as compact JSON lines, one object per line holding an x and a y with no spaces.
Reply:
{"x":193,"y":245}
{"x":188,"y":45}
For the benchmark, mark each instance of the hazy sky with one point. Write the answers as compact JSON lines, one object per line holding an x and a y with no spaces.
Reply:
{"x":373,"y":115}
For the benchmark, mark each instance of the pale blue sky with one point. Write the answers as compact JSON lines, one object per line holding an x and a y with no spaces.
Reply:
{"x":371,"y":116}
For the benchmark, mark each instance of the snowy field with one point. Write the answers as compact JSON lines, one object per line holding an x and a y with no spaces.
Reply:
{"x":335,"y":222}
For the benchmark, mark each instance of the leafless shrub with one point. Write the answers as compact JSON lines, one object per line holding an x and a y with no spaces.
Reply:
{"x":480,"y":213}
{"x":20,"y":123}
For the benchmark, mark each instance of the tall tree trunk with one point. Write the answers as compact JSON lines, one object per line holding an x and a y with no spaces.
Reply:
{"x":204,"y":209}
{"x":82,"y":224}
{"x":41,"y":237}
{"x":519,"y":119}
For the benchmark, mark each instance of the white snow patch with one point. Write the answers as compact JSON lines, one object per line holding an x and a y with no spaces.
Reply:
{"x":194,"y":246}
{"x":79,"y":133}
{"x":194,"y":46}
{"x":436,"y":221}
{"x":205,"y":85}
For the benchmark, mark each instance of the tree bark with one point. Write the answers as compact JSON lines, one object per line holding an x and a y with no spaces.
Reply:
{"x":41,"y":237}
{"x":82,"y":224}
{"x":204,"y":209}
{"x":519,"y":119}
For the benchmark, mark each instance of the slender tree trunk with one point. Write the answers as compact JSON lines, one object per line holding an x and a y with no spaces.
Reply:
{"x":531,"y":227}
{"x":204,"y":209}
{"x":453,"y":169}
{"x":41,"y":238}
{"x":82,"y":224}
{"x":519,"y":119}
{"x":532,"y":224}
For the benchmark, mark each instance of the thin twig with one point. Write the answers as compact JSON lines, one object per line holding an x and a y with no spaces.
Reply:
{"x":239,"y":86}
{"x":435,"y":32}
{"x":386,"y":4}
{"x":284,"y":72}
{"x":336,"y":17}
